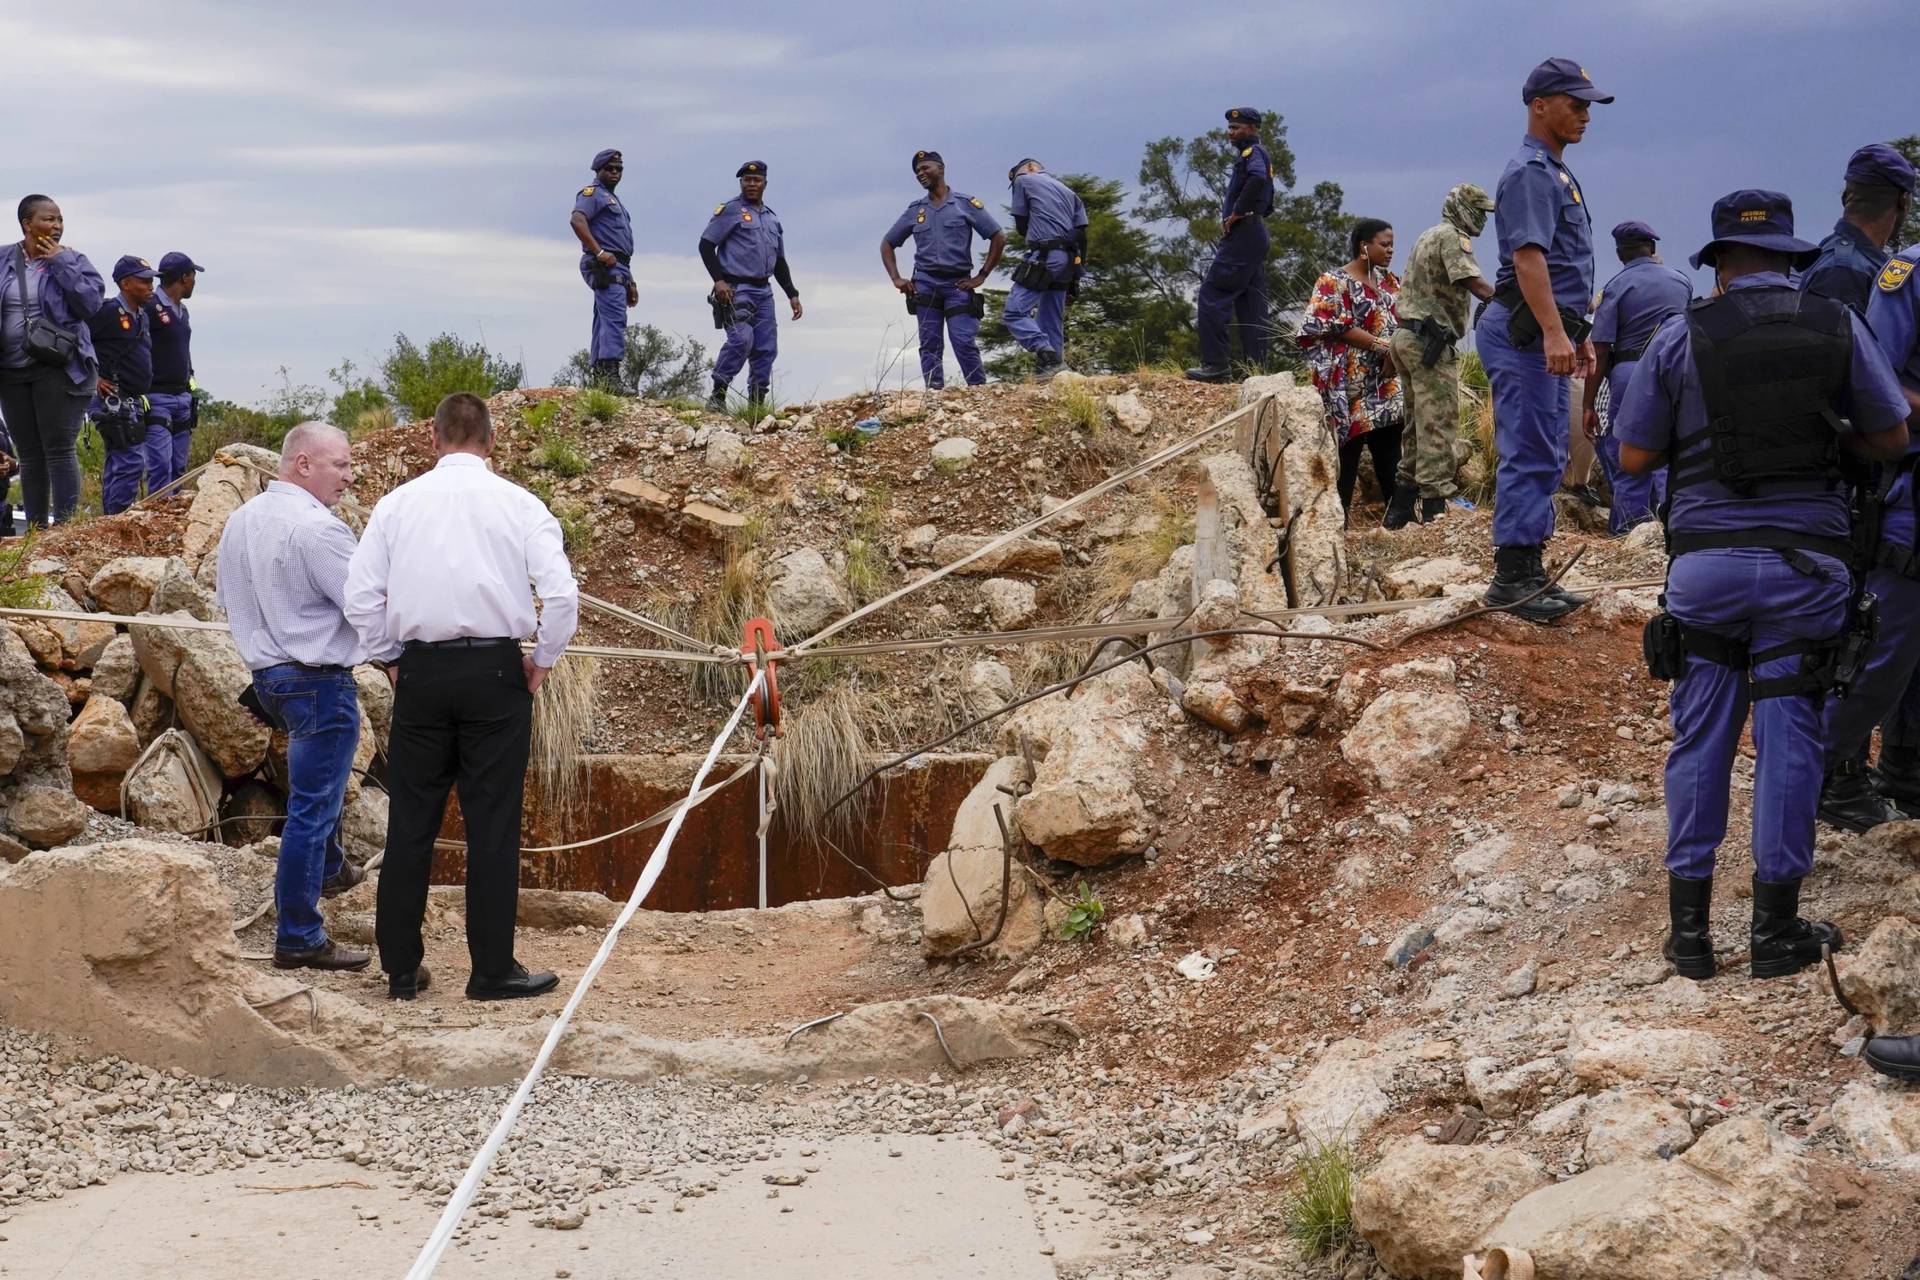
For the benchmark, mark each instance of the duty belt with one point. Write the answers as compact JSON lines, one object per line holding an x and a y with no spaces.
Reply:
{"x":759,"y":282}
{"x":1630,"y":354}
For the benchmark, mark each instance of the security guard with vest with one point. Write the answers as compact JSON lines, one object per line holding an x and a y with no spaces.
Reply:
{"x":170,"y":404}
{"x":605,"y":232}
{"x":1751,"y":400}
{"x":1236,"y":283}
{"x":1052,"y":218}
{"x":1633,"y":304}
{"x":1533,"y":335}
{"x":743,"y":247}
{"x":1875,"y":203}
{"x":942,"y":294}
{"x":123,"y":342}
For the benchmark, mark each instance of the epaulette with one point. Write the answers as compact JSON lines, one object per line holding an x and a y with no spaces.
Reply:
{"x":1894,"y":275}
{"x":586,"y":191}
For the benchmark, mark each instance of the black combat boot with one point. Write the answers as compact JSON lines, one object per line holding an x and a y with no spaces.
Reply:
{"x":1899,"y":778}
{"x":1849,"y":801}
{"x":1896,"y":1056}
{"x":1432,"y":509}
{"x":1517,"y":575}
{"x":1214,"y":373}
{"x":1400,"y":510}
{"x":606,"y":375}
{"x":717,"y":401}
{"x":1536,"y":562}
{"x":1689,"y":947}
{"x":1783,"y":943}
{"x":1046,"y":363}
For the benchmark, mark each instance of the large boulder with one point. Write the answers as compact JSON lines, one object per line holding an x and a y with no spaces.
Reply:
{"x":1085,"y":806}
{"x":1305,"y":465}
{"x":116,"y":672}
{"x":126,"y":585}
{"x":33,"y":718}
{"x":1340,"y":1100}
{"x":1011,"y":604}
{"x":46,"y":817}
{"x":81,"y":643}
{"x":176,"y":788}
{"x":363,"y":824}
{"x":1030,"y":556}
{"x":1423,"y":1206}
{"x":806,"y":594}
{"x":236,"y":473}
{"x":203,"y":673}
{"x":960,"y":901}
{"x":1606,"y":1053}
{"x":180,"y":591}
{"x":1628,"y":1123}
{"x":101,"y":746}
{"x":1883,"y":976}
{"x":1404,"y":735}
{"x":376,"y":702}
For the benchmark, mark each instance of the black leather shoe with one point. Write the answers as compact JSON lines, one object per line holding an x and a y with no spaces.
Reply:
{"x":1896,"y":1056}
{"x":1517,"y":575}
{"x":1898,"y":777}
{"x":516,"y":984}
{"x":328,"y":955}
{"x":405,"y":986}
{"x":1210,"y":373}
{"x":1400,"y":510}
{"x":1849,"y":800}
{"x":1689,"y":947}
{"x":348,"y":876}
{"x":1783,"y":943}
{"x":1432,"y":509}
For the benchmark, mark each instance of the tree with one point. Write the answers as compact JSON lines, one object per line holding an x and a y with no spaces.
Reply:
{"x":417,"y":378}
{"x":1909,"y":232}
{"x":357,"y":397}
{"x":657,"y":365}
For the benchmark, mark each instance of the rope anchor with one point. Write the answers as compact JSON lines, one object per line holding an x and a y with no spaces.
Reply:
{"x":763,"y":653}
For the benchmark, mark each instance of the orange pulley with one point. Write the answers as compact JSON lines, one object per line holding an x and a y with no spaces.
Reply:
{"x":756,"y":642}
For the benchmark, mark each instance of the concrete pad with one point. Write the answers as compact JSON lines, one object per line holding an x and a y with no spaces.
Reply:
{"x":876,"y":1209}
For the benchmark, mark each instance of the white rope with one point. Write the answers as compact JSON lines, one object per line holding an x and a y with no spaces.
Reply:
{"x":430,"y":1253}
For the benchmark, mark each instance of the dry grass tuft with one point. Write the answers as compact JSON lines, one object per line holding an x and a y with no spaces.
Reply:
{"x":1140,"y":554}
{"x":565,"y":712}
{"x":1085,"y":410}
{"x":824,"y":753}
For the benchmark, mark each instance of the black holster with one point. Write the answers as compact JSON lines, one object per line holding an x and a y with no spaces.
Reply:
{"x":1863,"y":624}
{"x":1435,"y":340}
{"x":602,"y":275}
{"x":1523,"y":329}
{"x":976,"y":304}
{"x":1032,"y":273}
{"x":913,"y":303}
{"x":1663,"y":647}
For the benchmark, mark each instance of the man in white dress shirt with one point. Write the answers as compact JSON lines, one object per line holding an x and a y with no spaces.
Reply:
{"x":283,"y":571}
{"x":440,"y":583}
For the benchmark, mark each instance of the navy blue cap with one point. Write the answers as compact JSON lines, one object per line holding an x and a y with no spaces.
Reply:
{"x":1018,"y":165}
{"x":1561,"y":75}
{"x":1879,"y":165}
{"x":1628,"y":232}
{"x":1242,"y":115}
{"x":132,"y":266}
{"x":178,"y":264}
{"x":600,"y":158}
{"x":1762,"y":219}
{"x":751,"y":169}
{"x":934,"y":156}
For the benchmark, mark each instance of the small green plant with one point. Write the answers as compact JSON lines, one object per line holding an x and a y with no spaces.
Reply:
{"x":596,"y":405}
{"x":1318,"y":1208}
{"x":751,"y":412}
{"x":1083,"y":913}
{"x":539,"y":418}
{"x":848,"y":438}
{"x":540,"y":487}
{"x":560,"y":456}
{"x":19,"y":589}
{"x":949,"y":466}
{"x":1083,"y":408}
{"x":866,"y":567}
{"x":576,"y":526}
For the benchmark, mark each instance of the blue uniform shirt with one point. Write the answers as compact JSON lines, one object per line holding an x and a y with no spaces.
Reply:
{"x":606,"y":218}
{"x":172,"y":334}
{"x":1636,"y":300}
{"x":1664,"y":402}
{"x":1845,"y":269}
{"x":748,"y":238}
{"x":1539,"y":203}
{"x":943,"y":233}
{"x":1250,"y":185}
{"x":124,"y":346}
{"x":1051,"y":208}
{"x":1893,"y":313}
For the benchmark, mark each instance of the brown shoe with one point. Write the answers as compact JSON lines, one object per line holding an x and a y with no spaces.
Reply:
{"x":405,"y":986}
{"x":348,"y":876}
{"x":328,"y":955}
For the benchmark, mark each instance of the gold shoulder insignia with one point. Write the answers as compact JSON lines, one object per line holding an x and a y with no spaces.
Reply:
{"x":976,"y":203}
{"x":1894,"y":274}
{"x":1466,"y":243}
{"x":586,"y":191}
{"x":719,"y":209}
{"x":1246,"y":153}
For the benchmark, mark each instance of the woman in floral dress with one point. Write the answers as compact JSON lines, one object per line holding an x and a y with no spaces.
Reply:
{"x":1345,"y":333}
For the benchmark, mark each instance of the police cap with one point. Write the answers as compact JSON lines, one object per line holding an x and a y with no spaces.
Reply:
{"x":1879,"y":165}
{"x":752,"y":169}
{"x":1242,"y":115}
{"x":934,"y":156}
{"x":1561,"y":75}
{"x":130,"y":266}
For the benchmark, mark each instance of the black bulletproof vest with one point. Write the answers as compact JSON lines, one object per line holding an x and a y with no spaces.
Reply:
{"x":1773,"y":364}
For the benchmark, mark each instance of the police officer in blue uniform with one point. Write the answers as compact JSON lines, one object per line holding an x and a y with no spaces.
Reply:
{"x":605,"y":232}
{"x":742,"y":247}
{"x":1532,"y":336}
{"x":942,"y":293}
{"x":1236,"y":283}
{"x":122,"y":341}
{"x":170,"y":404}
{"x":1875,"y":201}
{"x":1633,"y":304}
{"x":1052,"y":218}
{"x":1751,"y":399}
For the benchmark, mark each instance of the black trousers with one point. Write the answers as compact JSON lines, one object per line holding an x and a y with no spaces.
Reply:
{"x":1383,"y":443}
{"x":461,"y":718}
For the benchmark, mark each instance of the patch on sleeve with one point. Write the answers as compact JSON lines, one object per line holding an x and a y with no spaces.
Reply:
{"x":1466,"y":242}
{"x":719,"y":209}
{"x":975,"y":201}
{"x":1894,"y":274}
{"x":1246,"y":153}
{"x":586,"y":191}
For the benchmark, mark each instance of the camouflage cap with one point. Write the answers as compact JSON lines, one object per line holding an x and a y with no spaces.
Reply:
{"x":1467,"y":206}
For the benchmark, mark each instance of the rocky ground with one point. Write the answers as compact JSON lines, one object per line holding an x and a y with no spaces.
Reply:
{"x":1399,"y":898}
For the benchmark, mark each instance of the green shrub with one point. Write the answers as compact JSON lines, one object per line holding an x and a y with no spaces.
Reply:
{"x":1318,"y":1207}
{"x":847,"y":438}
{"x":576,"y":526}
{"x":539,"y":418}
{"x":561,"y":456}
{"x":596,"y":405}
{"x":357,"y":398}
{"x":418,"y":378}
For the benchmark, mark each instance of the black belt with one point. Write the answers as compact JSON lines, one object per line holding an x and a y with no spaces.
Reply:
{"x":942,"y":273}
{"x":306,"y":666}
{"x":624,"y":259}
{"x":757,"y":281}
{"x":1766,"y":539}
{"x":171,"y":388}
{"x":463,"y":642}
{"x":1630,"y":354}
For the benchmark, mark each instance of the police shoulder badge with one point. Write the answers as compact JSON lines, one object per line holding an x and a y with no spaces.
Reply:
{"x":975,"y":201}
{"x":719,"y":209}
{"x":1246,"y":153}
{"x":1894,"y":274}
{"x":586,"y":191}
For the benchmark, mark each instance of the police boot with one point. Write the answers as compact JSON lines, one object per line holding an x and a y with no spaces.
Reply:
{"x":758,"y":398}
{"x":1896,"y":1056}
{"x":606,"y":375}
{"x":1783,"y":943}
{"x":1898,"y":775}
{"x":1046,"y":363}
{"x":1555,"y":592}
{"x":1215,"y":373}
{"x":717,"y":401}
{"x":1517,"y":575}
{"x":1432,"y":509}
{"x":1849,"y":801}
{"x":1400,"y":510}
{"x":1689,"y":947}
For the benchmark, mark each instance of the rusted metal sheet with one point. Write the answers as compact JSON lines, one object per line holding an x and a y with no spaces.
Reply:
{"x":715,"y":863}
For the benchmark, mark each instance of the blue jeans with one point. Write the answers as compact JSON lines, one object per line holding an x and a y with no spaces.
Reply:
{"x":320,"y":710}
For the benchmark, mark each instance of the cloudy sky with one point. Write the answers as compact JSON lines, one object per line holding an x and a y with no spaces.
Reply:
{"x":346,"y":170}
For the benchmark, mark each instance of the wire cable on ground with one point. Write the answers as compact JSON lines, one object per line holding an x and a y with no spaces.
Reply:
{"x":436,"y":1245}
